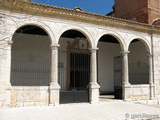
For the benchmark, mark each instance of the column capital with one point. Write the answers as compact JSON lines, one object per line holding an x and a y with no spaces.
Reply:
{"x":54,"y":47}
{"x":10,"y":42}
{"x":149,"y":55}
{"x":93,"y":50}
{"x":124,"y":52}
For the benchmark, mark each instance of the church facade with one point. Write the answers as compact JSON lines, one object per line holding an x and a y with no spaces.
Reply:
{"x":51,"y":55}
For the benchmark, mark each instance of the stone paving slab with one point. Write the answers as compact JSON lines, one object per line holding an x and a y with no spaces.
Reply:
{"x":101,"y":111}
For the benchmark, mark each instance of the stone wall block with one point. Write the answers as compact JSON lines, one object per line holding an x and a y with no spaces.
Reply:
{"x":94,"y":93}
{"x":29,"y":96}
{"x":54,"y":94}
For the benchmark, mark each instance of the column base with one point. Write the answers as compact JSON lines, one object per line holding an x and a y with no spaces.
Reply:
{"x":94,"y":92}
{"x":8,"y":95}
{"x":55,"y":104}
{"x":54,"y":94}
{"x":126,"y":91}
{"x":152,"y":98}
{"x":5,"y":95}
{"x":126,"y":84}
{"x":151,"y":91}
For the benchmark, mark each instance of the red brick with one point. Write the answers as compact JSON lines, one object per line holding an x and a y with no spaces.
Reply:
{"x":145,"y":11}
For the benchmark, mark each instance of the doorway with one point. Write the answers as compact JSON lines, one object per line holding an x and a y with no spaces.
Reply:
{"x":74,"y":85}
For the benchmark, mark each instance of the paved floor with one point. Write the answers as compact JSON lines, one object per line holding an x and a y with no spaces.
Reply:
{"x":112,"y":110}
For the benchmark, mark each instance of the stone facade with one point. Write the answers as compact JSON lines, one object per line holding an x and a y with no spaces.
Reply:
{"x":138,"y":92}
{"x":156,"y":65}
{"x":55,"y":21}
{"x":29,"y":96}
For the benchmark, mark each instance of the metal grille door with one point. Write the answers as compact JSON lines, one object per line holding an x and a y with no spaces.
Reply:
{"x":29,"y":70}
{"x":74,"y":76}
{"x":118,"y":77}
{"x":138,"y":73}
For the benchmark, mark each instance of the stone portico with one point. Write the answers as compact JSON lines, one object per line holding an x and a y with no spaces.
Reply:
{"x":55,"y":22}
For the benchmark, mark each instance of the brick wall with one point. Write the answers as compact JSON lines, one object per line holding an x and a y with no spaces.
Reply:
{"x":145,"y":11}
{"x":131,"y":9}
{"x":154,"y":10}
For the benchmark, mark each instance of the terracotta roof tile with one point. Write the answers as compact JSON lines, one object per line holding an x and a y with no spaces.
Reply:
{"x":88,"y":13}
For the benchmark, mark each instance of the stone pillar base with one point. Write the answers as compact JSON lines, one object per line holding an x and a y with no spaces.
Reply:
{"x":152,"y":91}
{"x":126,"y":92}
{"x":8,"y":97}
{"x":5,"y":95}
{"x":54,"y":94}
{"x":94,"y":92}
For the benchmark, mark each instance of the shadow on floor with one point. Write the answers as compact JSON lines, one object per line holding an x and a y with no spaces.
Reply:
{"x":108,"y":98}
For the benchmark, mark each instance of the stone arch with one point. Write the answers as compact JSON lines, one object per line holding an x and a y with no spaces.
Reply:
{"x":35,"y":52}
{"x":73,"y":52}
{"x":143,"y":40}
{"x":30,"y":65}
{"x":110,"y":44}
{"x":156,"y":22}
{"x":41,"y":25}
{"x":139,"y":48}
{"x":113,"y":34}
{"x":80,"y":29}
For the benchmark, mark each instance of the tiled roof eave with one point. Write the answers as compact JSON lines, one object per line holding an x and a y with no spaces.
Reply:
{"x":89,"y":16}
{"x":98,"y":17}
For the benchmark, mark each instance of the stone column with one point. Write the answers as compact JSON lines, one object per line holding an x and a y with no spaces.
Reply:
{"x":151,"y":76}
{"x":5,"y":85}
{"x":8,"y":83}
{"x":93,"y":86}
{"x":54,"y":86}
{"x":126,"y":87}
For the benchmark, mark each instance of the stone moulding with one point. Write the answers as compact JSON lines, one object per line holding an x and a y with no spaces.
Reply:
{"x":64,"y":13}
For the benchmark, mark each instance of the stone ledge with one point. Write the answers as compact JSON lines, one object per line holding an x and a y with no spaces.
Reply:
{"x":54,"y":86}
{"x":30,"y":88}
{"x":140,"y":86}
{"x":148,"y":102}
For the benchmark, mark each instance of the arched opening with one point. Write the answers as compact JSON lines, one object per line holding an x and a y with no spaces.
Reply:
{"x":30,"y":65}
{"x":74,"y":67}
{"x":138,"y":63}
{"x":109,"y":67}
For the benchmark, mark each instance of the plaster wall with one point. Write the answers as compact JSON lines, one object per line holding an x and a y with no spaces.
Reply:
{"x":31,"y":60}
{"x":138,"y":52}
{"x":31,"y":54}
{"x":106,"y":54}
{"x":62,"y":61}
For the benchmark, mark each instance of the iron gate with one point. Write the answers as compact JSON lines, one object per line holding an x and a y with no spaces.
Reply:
{"x":30,"y":70}
{"x":74,"y":76}
{"x":118,"y":77}
{"x":139,"y":73}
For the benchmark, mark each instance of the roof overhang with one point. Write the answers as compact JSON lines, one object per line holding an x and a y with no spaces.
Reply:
{"x":71,"y":14}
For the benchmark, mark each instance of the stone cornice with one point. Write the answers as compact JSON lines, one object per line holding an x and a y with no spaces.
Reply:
{"x":64,"y":13}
